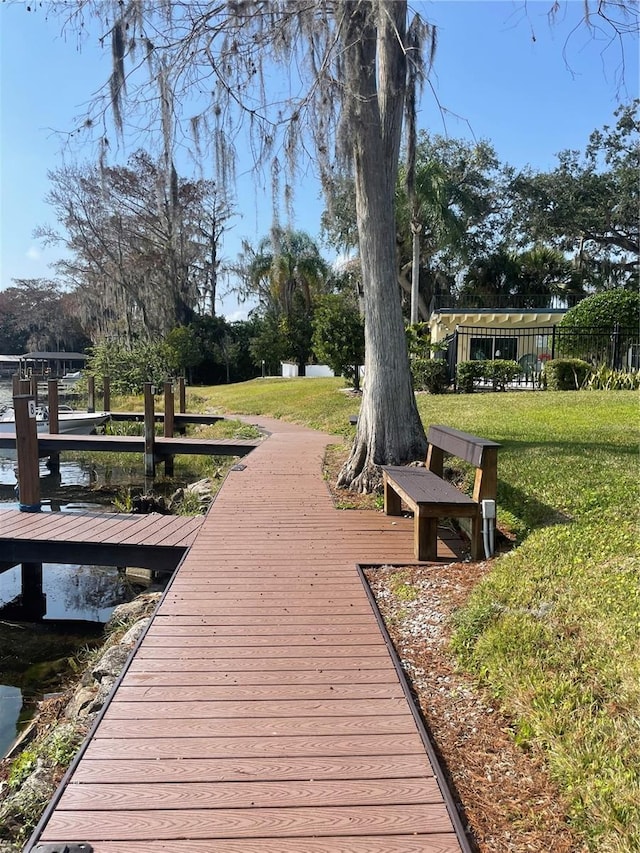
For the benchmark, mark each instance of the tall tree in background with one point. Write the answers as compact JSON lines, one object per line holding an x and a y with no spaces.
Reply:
{"x":347,"y":72}
{"x":37,"y":315}
{"x":286,"y":274}
{"x":588,"y":206}
{"x":141,"y":247}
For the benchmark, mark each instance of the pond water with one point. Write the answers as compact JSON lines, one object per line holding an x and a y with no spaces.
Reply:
{"x":87,"y":594}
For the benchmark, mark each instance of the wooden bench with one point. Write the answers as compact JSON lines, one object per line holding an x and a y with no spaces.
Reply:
{"x":430,"y":497}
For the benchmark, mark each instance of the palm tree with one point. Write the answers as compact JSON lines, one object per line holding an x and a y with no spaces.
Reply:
{"x":287,"y":273}
{"x":286,"y":263}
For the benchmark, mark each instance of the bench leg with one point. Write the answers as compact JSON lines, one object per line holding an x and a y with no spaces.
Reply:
{"x":392,"y":502}
{"x":425,"y":537}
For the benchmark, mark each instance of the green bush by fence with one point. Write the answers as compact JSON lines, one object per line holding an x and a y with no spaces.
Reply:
{"x":565,"y":374}
{"x":499,"y":373}
{"x":430,"y":375}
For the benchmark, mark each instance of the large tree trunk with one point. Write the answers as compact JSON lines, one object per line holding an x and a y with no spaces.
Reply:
{"x":389,"y":427}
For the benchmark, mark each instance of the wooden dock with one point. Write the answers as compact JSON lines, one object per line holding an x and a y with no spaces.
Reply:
{"x":150,"y":541}
{"x":163,"y":447}
{"x":263,"y":710}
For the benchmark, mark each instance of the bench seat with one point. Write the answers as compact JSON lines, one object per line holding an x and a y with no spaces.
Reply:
{"x":430,"y":497}
{"x":424,"y":491}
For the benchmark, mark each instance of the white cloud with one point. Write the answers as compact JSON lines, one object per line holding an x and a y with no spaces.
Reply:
{"x":33,"y":253}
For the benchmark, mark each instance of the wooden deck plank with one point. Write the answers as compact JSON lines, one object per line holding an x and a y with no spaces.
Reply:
{"x":294,"y":769}
{"x":200,"y":640}
{"x":268,"y":727}
{"x":164,"y":626}
{"x":262,"y":710}
{"x":414,"y":843}
{"x":294,"y":746}
{"x":166,"y":692}
{"x":175,"y":675}
{"x":131,"y":825}
{"x":273,"y":710}
{"x":243,"y":795}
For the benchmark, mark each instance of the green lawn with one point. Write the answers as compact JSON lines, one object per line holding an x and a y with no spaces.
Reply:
{"x":554,"y":630}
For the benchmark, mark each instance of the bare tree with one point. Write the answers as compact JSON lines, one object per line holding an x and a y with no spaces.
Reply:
{"x":322,"y":77}
{"x":141,"y":244}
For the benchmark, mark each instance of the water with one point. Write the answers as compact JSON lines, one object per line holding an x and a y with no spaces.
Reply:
{"x":10,"y":707}
{"x":74,"y":592}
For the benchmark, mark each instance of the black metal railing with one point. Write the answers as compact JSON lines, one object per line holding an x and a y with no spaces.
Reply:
{"x":484,"y":302}
{"x":618,"y":348}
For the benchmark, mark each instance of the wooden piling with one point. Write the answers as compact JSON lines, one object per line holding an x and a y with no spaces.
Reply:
{"x":54,"y":421}
{"x":149,"y":431}
{"x":91,"y":391}
{"x":24,"y":407}
{"x":106,"y":393}
{"x":182,"y":396}
{"x":169,"y":404}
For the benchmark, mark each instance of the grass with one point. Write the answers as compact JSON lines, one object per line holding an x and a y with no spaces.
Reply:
{"x":554,"y":629}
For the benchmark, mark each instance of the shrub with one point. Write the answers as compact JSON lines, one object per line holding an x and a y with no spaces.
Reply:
{"x":565,"y":374}
{"x":604,"y":309}
{"x":430,"y":375}
{"x":606,"y":379}
{"x":467,"y":373}
{"x":499,"y":372}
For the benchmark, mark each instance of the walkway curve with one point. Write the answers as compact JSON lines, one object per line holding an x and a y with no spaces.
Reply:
{"x":262,"y":711}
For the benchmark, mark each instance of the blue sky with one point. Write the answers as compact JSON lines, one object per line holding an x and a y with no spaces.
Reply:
{"x":530,"y":88}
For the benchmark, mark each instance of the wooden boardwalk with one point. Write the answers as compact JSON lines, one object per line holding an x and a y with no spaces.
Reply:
{"x":262,"y":711}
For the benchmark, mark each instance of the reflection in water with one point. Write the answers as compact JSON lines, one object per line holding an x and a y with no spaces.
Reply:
{"x":10,"y":707}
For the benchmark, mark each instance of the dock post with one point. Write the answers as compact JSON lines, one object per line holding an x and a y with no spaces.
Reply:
{"x":24,"y":407}
{"x":106,"y":392}
{"x":182,"y":404}
{"x":33,"y":601}
{"x":91,"y":391}
{"x":149,"y":431}
{"x":169,"y":403}
{"x":54,"y":423}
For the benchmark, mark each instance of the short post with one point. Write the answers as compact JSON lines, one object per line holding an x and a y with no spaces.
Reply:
{"x":169,"y":403}
{"x":91,"y":391}
{"x":33,"y":387}
{"x":149,"y":431}
{"x":24,"y":407}
{"x":182,"y":403}
{"x":54,"y":421}
{"x":106,"y":393}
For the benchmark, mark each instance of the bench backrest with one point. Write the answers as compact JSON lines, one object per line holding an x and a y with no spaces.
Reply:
{"x":480,"y":452}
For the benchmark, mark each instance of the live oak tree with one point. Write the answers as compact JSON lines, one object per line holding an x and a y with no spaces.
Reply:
{"x":347,"y":71}
{"x":36,"y":314}
{"x":588,"y":205}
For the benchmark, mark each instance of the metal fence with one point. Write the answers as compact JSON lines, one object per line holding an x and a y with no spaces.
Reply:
{"x":618,"y":348}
